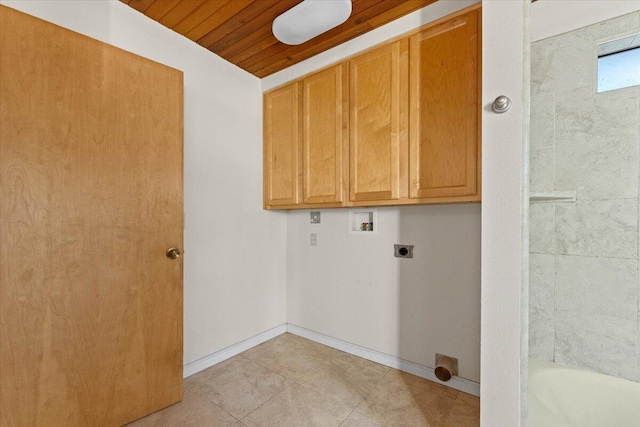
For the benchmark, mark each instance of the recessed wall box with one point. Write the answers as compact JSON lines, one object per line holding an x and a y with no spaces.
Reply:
{"x":403,"y":251}
{"x":363,"y":221}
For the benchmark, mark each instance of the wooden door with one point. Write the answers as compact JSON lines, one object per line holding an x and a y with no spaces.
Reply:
{"x":445,"y":109}
{"x":325,"y":104}
{"x":90,"y":199}
{"x":378,"y":123}
{"x":282,"y":146}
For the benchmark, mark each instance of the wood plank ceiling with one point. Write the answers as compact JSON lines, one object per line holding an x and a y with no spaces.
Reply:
{"x":240,"y":30}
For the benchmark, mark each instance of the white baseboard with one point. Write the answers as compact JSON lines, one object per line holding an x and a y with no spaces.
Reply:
{"x":226,"y":353}
{"x":457,"y":383}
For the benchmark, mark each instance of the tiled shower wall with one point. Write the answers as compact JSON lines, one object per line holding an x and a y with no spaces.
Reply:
{"x":584,"y":285}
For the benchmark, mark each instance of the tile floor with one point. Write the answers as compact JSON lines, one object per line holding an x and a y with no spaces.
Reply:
{"x":291,"y":381}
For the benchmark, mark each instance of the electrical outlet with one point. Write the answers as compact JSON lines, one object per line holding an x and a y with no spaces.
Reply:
{"x":314,"y":217}
{"x":403,"y":251}
{"x":314,"y":239}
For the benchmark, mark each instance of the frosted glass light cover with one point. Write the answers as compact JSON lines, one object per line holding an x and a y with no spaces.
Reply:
{"x":309,"y":19}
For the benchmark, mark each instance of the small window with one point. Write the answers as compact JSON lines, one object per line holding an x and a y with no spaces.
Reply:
{"x":619,"y":64}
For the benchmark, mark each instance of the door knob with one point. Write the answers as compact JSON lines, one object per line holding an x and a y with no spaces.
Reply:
{"x":501,"y":104}
{"x":173,"y":253}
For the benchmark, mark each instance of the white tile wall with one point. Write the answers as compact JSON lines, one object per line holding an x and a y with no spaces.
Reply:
{"x":584,"y":281}
{"x":598,"y":170}
{"x":599,"y":343}
{"x":541,"y":169}
{"x":583,"y":117}
{"x":541,"y":306}
{"x":604,"y":228}
{"x":597,"y":286}
{"x":542,"y":226}
{"x":543,"y":107}
{"x":543,"y":57}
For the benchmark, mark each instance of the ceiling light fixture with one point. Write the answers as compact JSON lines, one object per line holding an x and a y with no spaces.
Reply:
{"x":309,"y":19}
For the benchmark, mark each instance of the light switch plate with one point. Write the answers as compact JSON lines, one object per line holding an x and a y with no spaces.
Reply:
{"x":314,"y":217}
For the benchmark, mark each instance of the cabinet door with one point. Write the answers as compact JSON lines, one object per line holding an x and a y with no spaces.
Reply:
{"x":445,"y":109}
{"x":324,"y":135}
{"x":378,"y":87}
{"x":281,"y":146}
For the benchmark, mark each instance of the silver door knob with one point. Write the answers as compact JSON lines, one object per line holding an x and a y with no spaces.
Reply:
{"x":173,"y":253}
{"x":501,"y":104}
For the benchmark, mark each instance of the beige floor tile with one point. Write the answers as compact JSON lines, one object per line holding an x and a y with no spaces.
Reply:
{"x":288,"y":337}
{"x":350,"y":361}
{"x":465,"y":412}
{"x":292,"y":360}
{"x":329,"y":382}
{"x":298,"y":406}
{"x":320,"y":349}
{"x":244,"y":389}
{"x":211,"y":373}
{"x":258,"y":387}
{"x":394,"y":402}
{"x":358,"y":420}
{"x":469,"y":400}
{"x":267,"y":346}
{"x":413,"y":380}
{"x":346,"y":378}
{"x":195,"y":410}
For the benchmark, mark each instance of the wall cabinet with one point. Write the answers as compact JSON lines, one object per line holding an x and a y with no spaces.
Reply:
{"x":378,"y":131}
{"x":281,"y":141}
{"x":306,"y":142}
{"x":444,"y":113}
{"x":398,"y":124}
{"x":324,"y":136}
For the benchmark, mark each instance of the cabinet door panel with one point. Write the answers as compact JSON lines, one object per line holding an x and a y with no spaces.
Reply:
{"x":324,"y":131}
{"x":377,"y":123}
{"x":444,"y":149}
{"x":281,"y":146}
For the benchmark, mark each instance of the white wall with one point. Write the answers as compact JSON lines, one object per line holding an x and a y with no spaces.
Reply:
{"x":505,"y":72}
{"x":352,"y":287}
{"x":235,"y":253}
{"x":552,"y":17}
